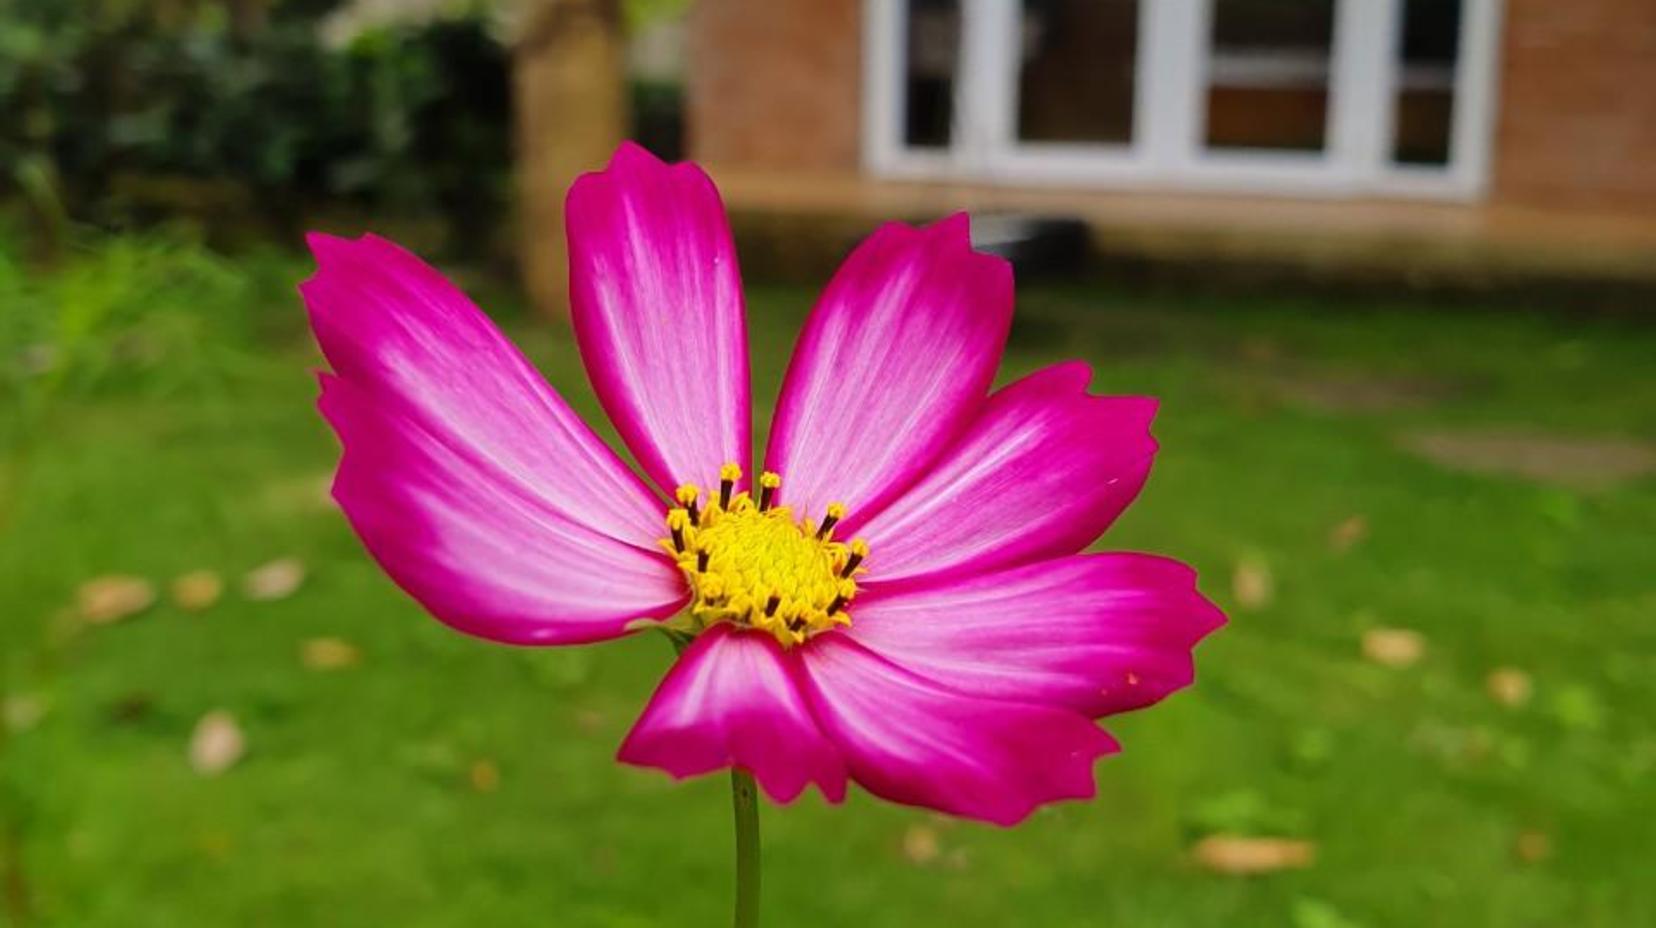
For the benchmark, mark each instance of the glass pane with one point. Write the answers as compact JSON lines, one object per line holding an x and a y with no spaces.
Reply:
{"x":1269,"y":74}
{"x":1426,"y":81}
{"x":931,"y":59}
{"x":1078,"y":65}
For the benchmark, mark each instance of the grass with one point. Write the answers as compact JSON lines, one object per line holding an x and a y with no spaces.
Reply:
{"x":358,"y":801}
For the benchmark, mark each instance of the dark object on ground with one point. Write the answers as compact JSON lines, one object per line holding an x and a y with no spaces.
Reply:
{"x":1037,"y":246}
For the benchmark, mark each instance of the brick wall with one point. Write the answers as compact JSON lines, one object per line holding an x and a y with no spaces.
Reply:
{"x":776,"y":83}
{"x":1577,"y":122}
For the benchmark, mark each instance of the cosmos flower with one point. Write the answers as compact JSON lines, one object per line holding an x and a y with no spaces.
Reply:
{"x":897,"y":600}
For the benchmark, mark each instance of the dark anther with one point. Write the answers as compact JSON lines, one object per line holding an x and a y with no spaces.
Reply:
{"x":851,"y":564}
{"x":694,"y":512}
{"x":766,"y":495}
{"x":771,"y":604}
{"x":678,"y":539}
{"x":725,"y":488}
{"x":836,"y":605}
{"x":826,"y":526}
{"x":701,"y":562}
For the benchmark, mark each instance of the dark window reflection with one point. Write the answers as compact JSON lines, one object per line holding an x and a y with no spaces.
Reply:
{"x":1078,"y":70}
{"x":1426,"y":81}
{"x":931,"y":61}
{"x":1269,"y":74}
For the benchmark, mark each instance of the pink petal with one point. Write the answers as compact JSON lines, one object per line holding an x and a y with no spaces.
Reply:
{"x":1096,"y":633}
{"x":909,"y":740}
{"x":1042,"y":472}
{"x":464,"y":536}
{"x":894,"y":360}
{"x":417,"y":347}
{"x":731,"y":701}
{"x":657,"y":305}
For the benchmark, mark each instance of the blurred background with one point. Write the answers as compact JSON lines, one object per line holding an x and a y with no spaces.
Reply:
{"x":1389,"y":264}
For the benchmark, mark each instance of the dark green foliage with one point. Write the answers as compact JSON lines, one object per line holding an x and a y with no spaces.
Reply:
{"x":139,"y":105}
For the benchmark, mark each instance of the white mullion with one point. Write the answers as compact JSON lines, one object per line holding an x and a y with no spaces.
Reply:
{"x":1361,"y":82}
{"x":1170,"y":105}
{"x":1476,"y":77}
{"x":986,"y":95}
{"x":882,"y":115}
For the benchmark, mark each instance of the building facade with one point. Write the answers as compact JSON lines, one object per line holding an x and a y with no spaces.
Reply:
{"x":1521,"y":102}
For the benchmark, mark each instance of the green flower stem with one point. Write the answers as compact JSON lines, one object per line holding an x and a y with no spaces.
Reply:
{"x":745,"y":801}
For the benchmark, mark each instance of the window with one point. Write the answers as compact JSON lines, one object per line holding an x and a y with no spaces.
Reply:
{"x":1319,"y":97}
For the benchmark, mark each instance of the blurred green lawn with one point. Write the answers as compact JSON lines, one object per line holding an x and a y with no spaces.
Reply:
{"x":356,"y":802}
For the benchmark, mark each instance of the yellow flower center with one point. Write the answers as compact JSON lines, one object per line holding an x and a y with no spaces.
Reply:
{"x":753,"y":564}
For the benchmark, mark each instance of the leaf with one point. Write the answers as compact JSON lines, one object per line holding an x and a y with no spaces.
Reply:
{"x":1236,"y":855}
{"x":278,"y":579}
{"x":217,"y":744}
{"x":329,"y":654}
{"x":1394,"y":647}
{"x":1347,"y":534}
{"x":1251,"y":584}
{"x":109,"y":599}
{"x":196,"y":590}
{"x":20,"y":712}
{"x":1532,"y":846}
{"x":1509,"y":686}
{"x":484,"y":776}
{"x":920,"y":844}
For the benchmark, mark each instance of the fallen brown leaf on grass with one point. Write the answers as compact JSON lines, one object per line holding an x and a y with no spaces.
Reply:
{"x":196,"y":590}
{"x":217,"y":744}
{"x":1509,"y":686}
{"x":21,"y":711}
{"x":329,"y":654}
{"x":1251,"y":584}
{"x":1394,"y":647}
{"x":920,"y":844}
{"x":1235,"y":855}
{"x":484,"y":776}
{"x":109,"y":599}
{"x":1533,"y":846}
{"x":1347,"y":534}
{"x":278,"y":579}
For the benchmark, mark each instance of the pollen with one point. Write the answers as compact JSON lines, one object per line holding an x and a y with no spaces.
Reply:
{"x":755,"y":564}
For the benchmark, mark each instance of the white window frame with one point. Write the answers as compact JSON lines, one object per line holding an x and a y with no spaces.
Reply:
{"x":1167,"y":150}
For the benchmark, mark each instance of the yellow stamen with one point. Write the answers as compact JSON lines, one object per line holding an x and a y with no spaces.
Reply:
{"x":755,"y":565}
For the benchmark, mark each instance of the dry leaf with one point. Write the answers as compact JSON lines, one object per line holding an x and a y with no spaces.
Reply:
{"x":275,"y":580}
{"x":21,"y":712}
{"x":484,"y":776}
{"x":196,"y":590}
{"x":329,"y":654}
{"x":590,"y":721}
{"x":104,"y":600}
{"x":920,"y":844}
{"x":1346,"y":535}
{"x":1235,"y":855}
{"x":1251,"y":584}
{"x":1533,"y":846}
{"x":1509,"y":686}
{"x":217,"y":744}
{"x":1394,"y":647}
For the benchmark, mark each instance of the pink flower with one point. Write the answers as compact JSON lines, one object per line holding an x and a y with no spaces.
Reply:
{"x":900,"y":602}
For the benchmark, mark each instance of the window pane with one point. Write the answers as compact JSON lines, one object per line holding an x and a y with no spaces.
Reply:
{"x":930,"y":63}
{"x":1269,"y":74}
{"x":1078,"y":68}
{"x":1426,"y":81}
